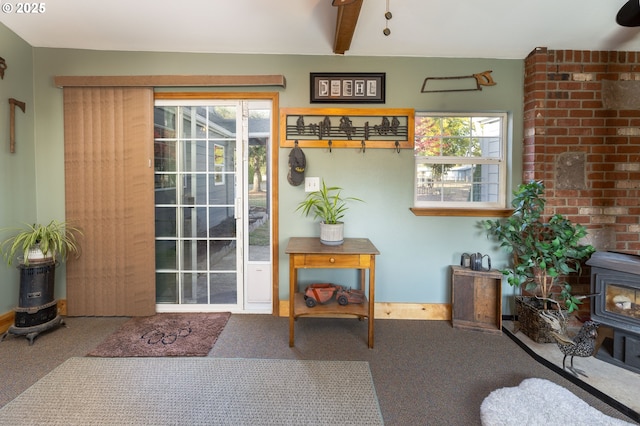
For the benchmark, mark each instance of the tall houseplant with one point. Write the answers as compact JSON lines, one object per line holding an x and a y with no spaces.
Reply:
{"x":544,"y":252}
{"x":328,"y":205}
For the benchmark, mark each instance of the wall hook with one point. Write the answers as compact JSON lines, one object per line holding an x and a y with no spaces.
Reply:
{"x":295,"y":142}
{"x":364,"y":147}
{"x":330,"y":143}
{"x":398,"y":147}
{"x":3,"y":66}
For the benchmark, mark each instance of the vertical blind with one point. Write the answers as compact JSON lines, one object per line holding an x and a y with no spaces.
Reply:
{"x":108,"y":149}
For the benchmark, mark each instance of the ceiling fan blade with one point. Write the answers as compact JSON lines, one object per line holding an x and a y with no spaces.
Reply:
{"x":629,"y":14}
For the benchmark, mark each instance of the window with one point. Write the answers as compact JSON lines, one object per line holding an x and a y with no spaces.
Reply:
{"x":460,"y":160}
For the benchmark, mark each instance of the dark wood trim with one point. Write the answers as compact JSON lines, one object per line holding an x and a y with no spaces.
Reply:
{"x":346,"y":21}
{"x":465,"y":212}
{"x":169,"y":80}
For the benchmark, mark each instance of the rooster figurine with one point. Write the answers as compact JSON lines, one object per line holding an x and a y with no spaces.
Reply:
{"x":583,"y":344}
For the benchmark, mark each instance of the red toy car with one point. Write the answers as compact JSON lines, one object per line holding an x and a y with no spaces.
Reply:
{"x":324,"y":292}
{"x":346,"y":296}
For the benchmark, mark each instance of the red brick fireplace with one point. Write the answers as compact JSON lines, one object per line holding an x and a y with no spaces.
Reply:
{"x":582,"y":139}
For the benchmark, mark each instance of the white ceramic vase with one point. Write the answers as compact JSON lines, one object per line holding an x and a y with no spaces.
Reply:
{"x":332,"y":234}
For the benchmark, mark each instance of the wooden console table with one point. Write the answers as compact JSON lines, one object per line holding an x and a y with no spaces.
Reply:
{"x":309,"y":253}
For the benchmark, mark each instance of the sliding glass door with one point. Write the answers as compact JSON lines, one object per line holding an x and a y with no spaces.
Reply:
{"x":212,"y":219}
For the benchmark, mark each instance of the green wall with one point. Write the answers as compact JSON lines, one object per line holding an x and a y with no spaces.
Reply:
{"x":17,"y":170}
{"x":415,"y":251}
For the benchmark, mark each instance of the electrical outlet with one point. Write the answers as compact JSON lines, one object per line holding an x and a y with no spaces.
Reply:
{"x":311,"y":184}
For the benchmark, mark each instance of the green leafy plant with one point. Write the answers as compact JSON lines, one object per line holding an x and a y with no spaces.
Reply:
{"x":326,"y":203}
{"x":56,"y":240}
{"x":544,"y":253}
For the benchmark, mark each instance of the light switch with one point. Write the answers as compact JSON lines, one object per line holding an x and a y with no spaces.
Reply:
{"x":311,"y":184}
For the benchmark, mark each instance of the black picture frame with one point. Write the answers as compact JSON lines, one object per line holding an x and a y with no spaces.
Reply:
{"x":354,"y":88}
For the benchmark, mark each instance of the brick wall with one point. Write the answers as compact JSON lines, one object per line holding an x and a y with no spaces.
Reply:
{"x":582,"y":139}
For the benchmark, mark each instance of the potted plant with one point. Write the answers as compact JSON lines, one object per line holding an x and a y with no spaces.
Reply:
{"x":38,"y":248}
{"x":41,"y":243}
{"x":543,"y":252}
{"x":328,"y":205}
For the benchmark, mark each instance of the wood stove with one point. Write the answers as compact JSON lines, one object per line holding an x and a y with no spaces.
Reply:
{"x":37,"y":310}
{"x":615,"y":281}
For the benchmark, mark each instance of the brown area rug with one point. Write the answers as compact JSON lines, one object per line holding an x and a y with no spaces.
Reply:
{"x":174,"y":334}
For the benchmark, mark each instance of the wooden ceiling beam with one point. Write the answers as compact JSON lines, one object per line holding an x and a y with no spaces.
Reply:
{"x":348,"y":12}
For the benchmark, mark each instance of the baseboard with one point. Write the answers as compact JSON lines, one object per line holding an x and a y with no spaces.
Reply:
{"x":407,"y":311}
{"x":7,"y":319}
{"x":62,"y":307}
{"x":382,"y":310}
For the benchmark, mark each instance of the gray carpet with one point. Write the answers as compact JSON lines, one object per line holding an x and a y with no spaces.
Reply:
{"x":198,"y":391}
{"x":426,"y":373}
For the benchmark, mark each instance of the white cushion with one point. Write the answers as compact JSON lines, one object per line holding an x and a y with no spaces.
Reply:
{"x":540,"y":402}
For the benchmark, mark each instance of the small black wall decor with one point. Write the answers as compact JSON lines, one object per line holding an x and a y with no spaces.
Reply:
{"x":355,"y":88}
{"x":3,"y":66}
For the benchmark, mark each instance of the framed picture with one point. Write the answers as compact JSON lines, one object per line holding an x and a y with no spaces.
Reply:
{"x":355,"y":88}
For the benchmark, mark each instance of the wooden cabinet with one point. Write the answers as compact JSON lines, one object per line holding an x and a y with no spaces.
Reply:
{"x":309,"y":253}
{"x":476,"y":299}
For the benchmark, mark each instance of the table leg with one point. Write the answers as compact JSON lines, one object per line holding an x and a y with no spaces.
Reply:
{"x":372,"y":280}
{"x":293,"y":284}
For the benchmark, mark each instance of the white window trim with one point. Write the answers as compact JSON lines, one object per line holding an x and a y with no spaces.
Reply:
{"x":501,"y":162}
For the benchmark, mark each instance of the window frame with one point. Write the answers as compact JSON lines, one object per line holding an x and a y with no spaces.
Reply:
{"x":421,"y":207}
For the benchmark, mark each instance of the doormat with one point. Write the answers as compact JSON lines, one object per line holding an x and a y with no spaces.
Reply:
{"x":170,"y":334}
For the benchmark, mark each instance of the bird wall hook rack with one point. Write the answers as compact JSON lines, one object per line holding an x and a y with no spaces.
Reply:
{"x":340,"y":128}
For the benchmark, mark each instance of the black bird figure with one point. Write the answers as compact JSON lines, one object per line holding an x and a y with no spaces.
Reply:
{"x":583,"y":344}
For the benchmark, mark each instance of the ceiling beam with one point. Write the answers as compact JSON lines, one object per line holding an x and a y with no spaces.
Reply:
{"x":348,"y":12}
